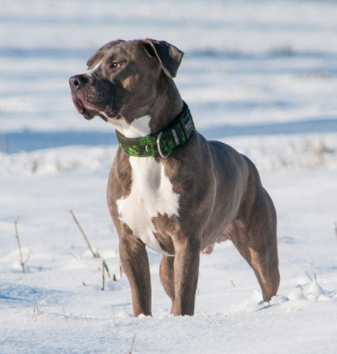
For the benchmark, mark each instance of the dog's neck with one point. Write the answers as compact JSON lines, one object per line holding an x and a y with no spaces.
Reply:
{"x":138,"y":128}
{"x":166,"y":106}
{"x":136,"y":141}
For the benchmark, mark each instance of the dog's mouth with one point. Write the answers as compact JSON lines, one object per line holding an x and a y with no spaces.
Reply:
{"x":89,"y":112}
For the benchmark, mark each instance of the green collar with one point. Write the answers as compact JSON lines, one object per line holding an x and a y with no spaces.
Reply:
{"x":163,"y":143}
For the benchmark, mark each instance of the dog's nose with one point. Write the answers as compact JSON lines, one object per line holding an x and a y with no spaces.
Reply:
{"x":77,"y":81}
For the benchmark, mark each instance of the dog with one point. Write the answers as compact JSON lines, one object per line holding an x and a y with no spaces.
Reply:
{"x":169,"y":188}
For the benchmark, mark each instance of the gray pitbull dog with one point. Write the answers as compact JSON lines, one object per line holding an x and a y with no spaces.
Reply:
{"x":169,"y":188}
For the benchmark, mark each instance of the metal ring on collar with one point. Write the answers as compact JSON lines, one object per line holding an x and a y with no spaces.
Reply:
{"x":159,"y":147}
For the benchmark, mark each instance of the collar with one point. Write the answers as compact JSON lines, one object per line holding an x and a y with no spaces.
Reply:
{"x":163,"y":143}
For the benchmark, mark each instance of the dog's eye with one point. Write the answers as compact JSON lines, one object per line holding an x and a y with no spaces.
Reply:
{"x":115,"y":65}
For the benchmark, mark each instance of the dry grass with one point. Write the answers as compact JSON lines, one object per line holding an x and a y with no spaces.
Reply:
{"x":94,"y":254}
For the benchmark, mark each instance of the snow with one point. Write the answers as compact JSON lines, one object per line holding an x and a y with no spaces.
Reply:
{"x":259,"y":75}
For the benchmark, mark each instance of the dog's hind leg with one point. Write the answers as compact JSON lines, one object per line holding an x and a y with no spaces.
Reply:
{"x":167,"y":277}
{"x":257,"y":243}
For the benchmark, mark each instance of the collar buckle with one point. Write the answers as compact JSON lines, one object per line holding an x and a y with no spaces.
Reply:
{"x":159,"y":146}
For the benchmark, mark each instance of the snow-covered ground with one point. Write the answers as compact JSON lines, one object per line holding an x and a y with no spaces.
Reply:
{"x":260,"y":75}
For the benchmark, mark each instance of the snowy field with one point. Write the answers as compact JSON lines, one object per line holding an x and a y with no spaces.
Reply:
{"x":259,"y":75}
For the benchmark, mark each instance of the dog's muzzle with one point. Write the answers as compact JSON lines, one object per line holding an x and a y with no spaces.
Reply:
{"x":77,"y":83}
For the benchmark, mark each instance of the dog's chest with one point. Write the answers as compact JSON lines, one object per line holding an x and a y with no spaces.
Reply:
{"x":151,"y":195}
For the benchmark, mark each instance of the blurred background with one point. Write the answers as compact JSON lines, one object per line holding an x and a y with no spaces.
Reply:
{"x":250,"y":67}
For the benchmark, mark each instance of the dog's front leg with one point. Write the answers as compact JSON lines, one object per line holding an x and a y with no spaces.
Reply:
{"x":186,"y":271}
{"x":135,"y":263}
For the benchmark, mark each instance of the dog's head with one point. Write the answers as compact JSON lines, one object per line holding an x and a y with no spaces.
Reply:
{"x":122,"y":78}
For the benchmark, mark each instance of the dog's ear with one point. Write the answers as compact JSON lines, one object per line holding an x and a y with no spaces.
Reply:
{"x":168,"y":55}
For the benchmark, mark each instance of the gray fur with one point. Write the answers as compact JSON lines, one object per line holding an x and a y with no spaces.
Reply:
{"x":221,"y":195}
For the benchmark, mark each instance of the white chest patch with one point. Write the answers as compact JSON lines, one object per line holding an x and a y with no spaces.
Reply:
{"x":151,"y":195}
{"x":139,"y":127}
